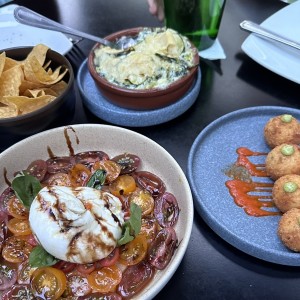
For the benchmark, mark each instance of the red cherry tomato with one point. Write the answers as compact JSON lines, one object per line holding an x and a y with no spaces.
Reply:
{"x":8,"y":276}
{"x":128,"y":162}
{"x":88,"y":158}
{"x":86,"y":268}
{"x":135,"y":278}
{"x":65,"y":266}
{"x":78,"y":285}
{"x":166,"y":210}
{"x":19,"y":292}
{"x":110,"y":260}
{"x":24,"y":272}
{"x":61,"y":179}
{"x":3,"y":228}
{"x":7,"y":194}
{"x":60,"y":164}
{"x":38,"y":169}
{"x":101,"y":296}
{"x":163,"y":247}
{"x":150,"y":182}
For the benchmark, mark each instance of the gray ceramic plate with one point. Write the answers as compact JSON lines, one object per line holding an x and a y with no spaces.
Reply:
{"x":107,"y":111}
{"x":113,"y":140}
{"x":213,"y":151}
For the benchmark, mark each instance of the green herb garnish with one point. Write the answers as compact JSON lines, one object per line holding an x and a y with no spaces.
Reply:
{"x":26,"y":187}
{"x":132,"y":227}
{"x":97,"y":179}
{"x":39,"y":257}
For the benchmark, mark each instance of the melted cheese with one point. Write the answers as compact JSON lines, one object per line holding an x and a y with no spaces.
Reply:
{"x":159,"y":58}
{"x":78,"y":225}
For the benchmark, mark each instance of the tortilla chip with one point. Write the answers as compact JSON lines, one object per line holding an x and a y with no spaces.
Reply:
{"x":10,"y":81}
{"x":26,"y":105}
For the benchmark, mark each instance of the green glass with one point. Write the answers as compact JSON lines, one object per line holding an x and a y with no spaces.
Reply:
{"x":199,"y":20}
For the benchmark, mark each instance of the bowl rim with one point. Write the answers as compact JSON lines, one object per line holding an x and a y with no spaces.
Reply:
{"x":157,"y":285}
{"x":138,"y":92}
{"x":52,"y":103}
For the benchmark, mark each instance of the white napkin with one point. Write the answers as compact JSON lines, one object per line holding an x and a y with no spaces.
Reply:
{"x":214,"y":52}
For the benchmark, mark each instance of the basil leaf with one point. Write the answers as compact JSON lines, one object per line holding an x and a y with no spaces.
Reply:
{"x":26,"y":187}
{"x":132,"y":227}
{"x":97,"y":179}
{"x":135,"y":218}
{"x":39,"y":257}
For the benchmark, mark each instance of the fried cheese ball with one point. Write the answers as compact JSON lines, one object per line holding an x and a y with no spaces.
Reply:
{"x":283,"y":160}
{"x":282,"y":129}
{"x":286,"y":192}
{"x":289,"y":229}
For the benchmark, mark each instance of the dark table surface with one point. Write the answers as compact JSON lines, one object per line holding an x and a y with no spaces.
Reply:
{"x":211,"y":268}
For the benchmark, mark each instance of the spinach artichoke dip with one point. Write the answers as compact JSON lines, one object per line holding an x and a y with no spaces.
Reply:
{"x":160,"y":57}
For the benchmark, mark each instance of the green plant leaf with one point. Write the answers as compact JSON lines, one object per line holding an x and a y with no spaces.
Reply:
{"x":132,"y":227}
{"x":97,"y":179}
{"x":26,"y":187}
{"x":39,"y":257}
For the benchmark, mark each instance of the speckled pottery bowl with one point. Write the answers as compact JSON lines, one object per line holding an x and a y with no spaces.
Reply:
{"x":141,"y":99}
{"x":112,"y":140}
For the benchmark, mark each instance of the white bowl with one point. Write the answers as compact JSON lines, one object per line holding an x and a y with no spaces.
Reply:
{"x":112,"y":140}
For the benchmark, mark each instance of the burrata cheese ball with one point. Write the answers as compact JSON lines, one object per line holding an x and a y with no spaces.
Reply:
{"x":282,"y":129}
{"x":286,"y":192}
{"x":283,"y":160}
{"x":289,"y":229}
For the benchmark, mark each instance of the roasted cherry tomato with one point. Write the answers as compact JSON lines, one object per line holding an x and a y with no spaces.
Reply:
{"x":8,"y":276}
{"x":105,"y":279}
{"x":135,"y":278}
{"x":134,"y":252}
{"x":19,"y":292}
{"x":5,"y":197}
{"x":123,"y":185}
{"x":149,"y":228}
{"x":101,"y":296}
{"x":143,"y":199}
{"x":163,"y":247}
{"x":16,"y":208}
{"x":78,"y":285}
{"x":31,"y":240}
{"x":60,"y":164}
{"x":166,"y":210}
{"x":49,"y":282}
{"x":79,"y":175}
{"x":88,"y":158}
{"x":24,"y":272}
{"x":3,"y":227}
{"x":111,"y":168}
{"x":16,"y":249}
{"x":110,"y":260}
{"x":61,"y":179}
{"x":128,"y":162}
{"x":65,"y":266}
{"x":19,"y":226}
{"x":150,"y":182}
{"x":38,"y":169}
